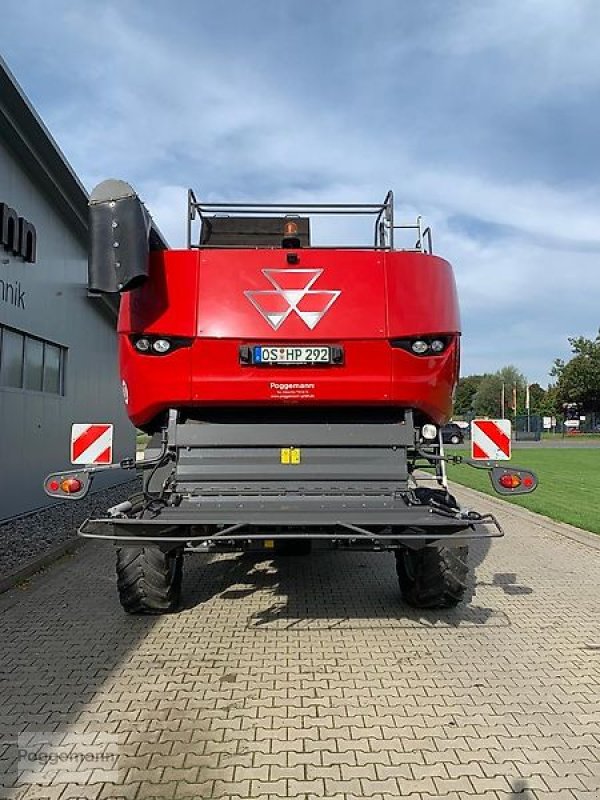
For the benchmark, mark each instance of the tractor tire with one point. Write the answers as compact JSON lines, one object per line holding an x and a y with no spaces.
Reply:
{"x":433,"y":577}
{"x":148,"y":579}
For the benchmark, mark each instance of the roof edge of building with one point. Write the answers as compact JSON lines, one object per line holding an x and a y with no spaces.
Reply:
{"x":25,"y":132}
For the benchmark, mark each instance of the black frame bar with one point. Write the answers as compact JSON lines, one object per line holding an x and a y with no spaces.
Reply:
{"x":383,"y":238}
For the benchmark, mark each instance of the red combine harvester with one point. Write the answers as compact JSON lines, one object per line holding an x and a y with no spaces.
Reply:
{"x":292,"y":392}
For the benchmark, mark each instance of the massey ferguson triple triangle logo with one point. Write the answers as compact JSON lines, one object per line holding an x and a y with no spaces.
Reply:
{"x":292,"y":293}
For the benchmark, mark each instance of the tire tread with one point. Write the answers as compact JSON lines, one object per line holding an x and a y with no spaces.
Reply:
{"x":434,"y":577}
{"x":148,"y":579}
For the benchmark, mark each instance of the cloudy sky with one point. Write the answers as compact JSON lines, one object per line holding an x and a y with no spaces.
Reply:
{"x":482,"y":115}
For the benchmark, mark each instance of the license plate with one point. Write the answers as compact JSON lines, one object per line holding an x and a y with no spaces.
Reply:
{"x":291,"y":355}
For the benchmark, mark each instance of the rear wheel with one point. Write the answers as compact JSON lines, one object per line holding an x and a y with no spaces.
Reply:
{"x":148,"y":579}
{"x":433,"y":577}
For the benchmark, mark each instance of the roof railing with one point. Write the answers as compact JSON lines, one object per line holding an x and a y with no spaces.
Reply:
{"x":383,"y":212}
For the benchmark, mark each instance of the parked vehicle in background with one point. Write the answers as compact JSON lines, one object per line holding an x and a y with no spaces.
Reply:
{"x":452,"y":434}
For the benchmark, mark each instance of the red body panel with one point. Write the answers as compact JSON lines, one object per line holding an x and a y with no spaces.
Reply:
{"x":358,"y":299}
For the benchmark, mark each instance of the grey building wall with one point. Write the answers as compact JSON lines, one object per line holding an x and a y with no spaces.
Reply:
{"x":35,"y":426}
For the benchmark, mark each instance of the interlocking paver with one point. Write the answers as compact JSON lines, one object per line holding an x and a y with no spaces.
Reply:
{"x":110,"y":791}
{"x":81,"y":792}
{"x":309,"y":678}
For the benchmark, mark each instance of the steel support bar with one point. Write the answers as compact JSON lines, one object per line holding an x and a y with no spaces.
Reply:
{"x":146,"y":530}
{"x":332,"y":537}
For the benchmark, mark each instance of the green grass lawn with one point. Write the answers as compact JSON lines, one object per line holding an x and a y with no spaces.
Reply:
{"x":573,"y":437}
{"x":141,"y":440}
{"x":569,"y":484}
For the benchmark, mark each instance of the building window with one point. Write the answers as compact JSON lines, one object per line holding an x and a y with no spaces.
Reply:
{"x":11,"y":358}
{"x":27,"y":362}
{"x":53,"y":358}
{"x":33,"y":364}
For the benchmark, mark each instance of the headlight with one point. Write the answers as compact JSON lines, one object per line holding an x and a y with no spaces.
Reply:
{"x":424,"y":345}
{"x":158,"y":345}
{"x":419,"y":347}
{"x":162,"y":345}
{"x":143,"y":345}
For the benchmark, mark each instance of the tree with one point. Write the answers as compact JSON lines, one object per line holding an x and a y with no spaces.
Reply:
{"x":537,"y":398}
{"x":465,"y":391}
{"x":487,"y":400}
{"x":543,"y":401}
{"x":551,"y":405}
{"x":579,"y":379}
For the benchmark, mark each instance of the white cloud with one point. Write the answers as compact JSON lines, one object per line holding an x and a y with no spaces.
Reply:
{"x":550,"y":45}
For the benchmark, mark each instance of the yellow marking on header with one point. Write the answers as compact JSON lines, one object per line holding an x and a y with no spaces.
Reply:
{"x":290,"y":455}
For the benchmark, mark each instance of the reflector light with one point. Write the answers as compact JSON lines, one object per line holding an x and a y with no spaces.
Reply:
{"x":419,"y":347}
{"x":143,"y":345}
{"x":162,"y":345}
{"x":528,"y":481}
{"x":437,"y":346}
{"x":54,"y":486}
{"x":510,"y":481}
{"x":71,"y":485}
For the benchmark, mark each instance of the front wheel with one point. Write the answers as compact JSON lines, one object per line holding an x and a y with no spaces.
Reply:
{"x":149,"y":579}
{"x":433,"y":577}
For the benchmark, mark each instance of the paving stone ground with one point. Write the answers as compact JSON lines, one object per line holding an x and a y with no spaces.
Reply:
{"x":308,"y":677}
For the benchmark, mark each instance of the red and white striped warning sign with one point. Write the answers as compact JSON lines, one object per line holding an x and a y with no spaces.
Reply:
{"x":490,"y":439}
{"x":91,"y":443}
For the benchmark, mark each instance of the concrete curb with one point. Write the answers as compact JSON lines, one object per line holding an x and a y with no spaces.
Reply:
{"x":41,"y":562}
{"x":586,"y":538}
